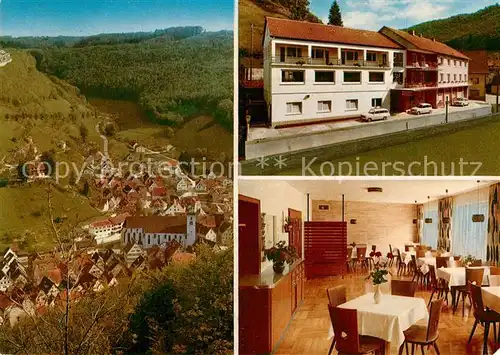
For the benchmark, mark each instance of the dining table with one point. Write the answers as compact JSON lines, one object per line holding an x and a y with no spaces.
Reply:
{"x":425,"y":262}
{"x":455,"y":277}
{"x":491,"y":297}
{"x":388,"y":319}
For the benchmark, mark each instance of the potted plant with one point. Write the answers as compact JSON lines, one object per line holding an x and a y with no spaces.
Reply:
{"x":468,"y":260}
{"x":281,"y":254}
{"x":377,"y":276}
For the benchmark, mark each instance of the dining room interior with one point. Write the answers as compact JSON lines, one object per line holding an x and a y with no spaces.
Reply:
{"x":368,"y":266}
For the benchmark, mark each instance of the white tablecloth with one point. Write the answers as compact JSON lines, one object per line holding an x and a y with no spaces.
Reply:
{"x":388,"y":319}
{"x":406,"y":256}
{"x":425,"y":262}
{"x":491,"y":297}
{"x":455,"y":276}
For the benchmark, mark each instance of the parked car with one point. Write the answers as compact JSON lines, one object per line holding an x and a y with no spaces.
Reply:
{"x":421,"y":108}
{"x":375,"y":114}
{"x":460,"y":101}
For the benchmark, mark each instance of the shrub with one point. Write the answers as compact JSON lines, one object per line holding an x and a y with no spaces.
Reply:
{"x":4,"y":182}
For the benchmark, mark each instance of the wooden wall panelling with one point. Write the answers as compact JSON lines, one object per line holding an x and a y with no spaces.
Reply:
{"x":249,"y":240}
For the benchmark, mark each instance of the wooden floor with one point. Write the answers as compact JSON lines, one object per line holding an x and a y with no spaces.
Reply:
{"x":308,"y":331}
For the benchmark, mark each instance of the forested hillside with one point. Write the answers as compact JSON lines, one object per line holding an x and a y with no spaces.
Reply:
{"x":479,"y":30}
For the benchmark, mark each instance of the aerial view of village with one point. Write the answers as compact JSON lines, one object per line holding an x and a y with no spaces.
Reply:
{"x":116,"y":190}
{"x":368,"y":87}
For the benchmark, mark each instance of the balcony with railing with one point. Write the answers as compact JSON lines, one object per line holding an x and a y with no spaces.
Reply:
{"x":300,"y":61}
{"x":423,"y":65}
{"x":415,"y":84}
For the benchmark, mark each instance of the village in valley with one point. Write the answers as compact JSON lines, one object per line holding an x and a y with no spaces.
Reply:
{"x":151,"y":216}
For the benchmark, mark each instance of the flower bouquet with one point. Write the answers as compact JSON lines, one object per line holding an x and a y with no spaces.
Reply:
{"x":377,"y":276}
{"x":281,"y":254}
{"x":468,"y":260}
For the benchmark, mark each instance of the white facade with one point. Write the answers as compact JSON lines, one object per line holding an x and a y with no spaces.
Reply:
{"x":452,"y":72}
{"x":328,"y":90}
{"x":105,"y":232}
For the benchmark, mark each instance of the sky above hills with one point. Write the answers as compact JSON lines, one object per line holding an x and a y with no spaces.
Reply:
{"x":88,"y":17}
{"x":373,"y":14}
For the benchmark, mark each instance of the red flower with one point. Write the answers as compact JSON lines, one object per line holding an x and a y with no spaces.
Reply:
{"x":378,"y":254}
{"x":389,"y":255}
{"x":372,"y":254}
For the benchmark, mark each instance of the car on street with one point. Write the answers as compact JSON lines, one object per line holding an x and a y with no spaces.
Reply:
{"x":421,"y":108}
{"x":376,"y":114}
{"x":460,"y":101}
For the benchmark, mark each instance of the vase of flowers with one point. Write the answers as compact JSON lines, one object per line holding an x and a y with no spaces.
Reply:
{"x":468,"y":260}
{"x":281,"y":254}
{"x":377,"y":276}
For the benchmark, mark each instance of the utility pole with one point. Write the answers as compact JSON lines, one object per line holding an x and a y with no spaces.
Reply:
{"x":446,"y":117}
{"x":251,"y":51}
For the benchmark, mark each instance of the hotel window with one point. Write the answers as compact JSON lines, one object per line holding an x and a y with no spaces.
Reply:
{"x":476,"y":80}
{"x":454,"y":62}
{"x":397,"y":78}
{"x":293,"y":108}
{"x":292,"y":76}
{"x":414,"y":58}
{"x":454,"y":77}
{"x":465,"y":63}
{"x":460,"y":77}
{"x":352,"y":77}
{"x":294,"y":52}
{"x":371,"y":57}
{"x":448,"y":61}
{"x":351,"y":105}
{"x":324,"y":106}
{"x":376,"y":77}
{"x":324,"y":76}
{"x":441,"y":78}
{"x":460,"y":62}
{"x":449,"y":77}
{"x":465,"y":77}
{"x":398,"y":59}
{"x":318,"y":53}
{"x":351,"y":55}
{"x":377,"y":102}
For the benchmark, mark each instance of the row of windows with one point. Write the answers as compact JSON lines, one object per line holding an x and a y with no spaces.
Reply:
{"x":296,"y":52}
{"x":448,"y":77}
{"x":328,"y":76}
{"x":455,"y":62}
{"x":325,"y":106}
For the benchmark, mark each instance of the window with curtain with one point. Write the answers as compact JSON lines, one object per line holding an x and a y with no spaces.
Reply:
{"x":469,"y":237}
{"x":430,"y":231}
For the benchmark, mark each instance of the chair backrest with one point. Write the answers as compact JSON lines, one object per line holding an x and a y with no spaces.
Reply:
{"x":345,"y":327}
{"x":477,"y":299}
{"x":407,"y":248}
{"x":494,"y":280}
{"x":420,"y":253}
{"x":374,"y":248}
{"x":435,"y":312}
{"x":432,"y":273}
{"x":494,"y":270}
{"x":442,"y":261}
{"x":336,"y":295}
{"x":361,"y":253}
{"x":414,"y":263}
{"x":477,"y":262}
{"x":403,"y":288}
{"x":474,"y":275}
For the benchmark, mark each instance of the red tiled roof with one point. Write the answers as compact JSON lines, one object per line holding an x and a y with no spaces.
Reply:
{"x":119,"y":219}
{"x":158,"y":224}
{"x":290,"y":29}
{"x":478,"y":62}
{"x":427,"y":44}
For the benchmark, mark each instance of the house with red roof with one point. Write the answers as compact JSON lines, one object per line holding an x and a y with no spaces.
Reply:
{"x":478,"y":73}
{"x":317,"y":73}
{"x":434,"y":72}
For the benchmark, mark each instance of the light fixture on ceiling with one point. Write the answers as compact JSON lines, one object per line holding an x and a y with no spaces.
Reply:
{"x":428,"y":220}
{"x":478,"y":217}
{"x":446,"y":220}
{"x":374,"y":189}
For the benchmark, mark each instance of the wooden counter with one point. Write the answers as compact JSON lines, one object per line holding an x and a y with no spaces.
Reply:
{"x":267,"y":303}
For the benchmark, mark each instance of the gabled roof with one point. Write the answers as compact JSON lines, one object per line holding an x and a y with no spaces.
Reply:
{"x":158,"y":224}
{"x":301,"y":30}
{"x":478,"y":62}
{"x":422,"y":43}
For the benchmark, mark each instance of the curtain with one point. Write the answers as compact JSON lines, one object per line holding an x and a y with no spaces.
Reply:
{"x":445,"y":210}
{"x":469,"y":237}
{"x":430,"y":230}
{"x":420,"y":223}
{"x":493,"y":224}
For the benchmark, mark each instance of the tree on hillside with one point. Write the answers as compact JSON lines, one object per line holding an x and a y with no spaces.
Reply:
{"x":299,"y":9}
{"x":335,"y":17}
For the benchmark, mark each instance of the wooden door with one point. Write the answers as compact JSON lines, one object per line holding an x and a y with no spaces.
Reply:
{"x":249,"y":240}
{"x":295,"y":233}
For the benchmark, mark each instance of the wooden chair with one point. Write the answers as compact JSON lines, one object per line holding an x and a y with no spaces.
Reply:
{"x":424,"y":336}
{"x":473,"y":276}
{"x":481,"y":315}
{"x":442,"y":261}
{"x":403,"y":288}
{"x":421,"y":253}
{"x":494,"y":280}
{"x":336,"y":296}
{"x":361,"y":257}
{"x":438,"y":286}
{"x":417,"y":273}
{"x":494,"y":270}
{"x":477,"y":262}
{"x":390,"y":256}
{"x":347,"y":339}
{"x":401,"y":263}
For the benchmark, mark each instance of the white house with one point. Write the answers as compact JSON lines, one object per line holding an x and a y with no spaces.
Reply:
{"x":315,"y":72}
{"x":107,"y":230}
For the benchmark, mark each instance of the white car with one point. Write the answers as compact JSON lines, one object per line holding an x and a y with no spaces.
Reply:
{"x":375,"y":114}
{"x":460,"y":101}
{"x":421,"y":108}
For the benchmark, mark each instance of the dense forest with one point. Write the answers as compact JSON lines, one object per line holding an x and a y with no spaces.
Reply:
{"x":479,"y":30}
{"x":173,"y":73}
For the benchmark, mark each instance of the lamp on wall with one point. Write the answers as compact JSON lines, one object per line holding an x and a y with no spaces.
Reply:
{"x":428,"y":220}
{"x":354,"y":221}
{"x":415,"y":220}
{"x":478,"y":217}
{"x":446,"y":220}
